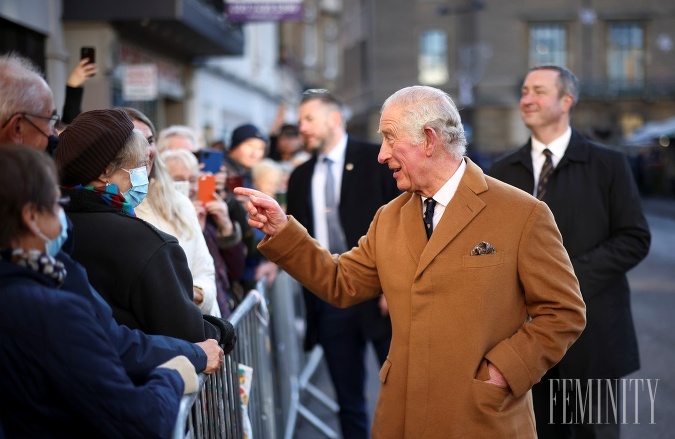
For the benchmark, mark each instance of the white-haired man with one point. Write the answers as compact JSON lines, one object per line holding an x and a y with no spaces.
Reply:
{"x":482,"y":295}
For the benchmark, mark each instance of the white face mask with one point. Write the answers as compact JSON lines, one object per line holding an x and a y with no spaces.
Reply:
{"x":183,"y":187}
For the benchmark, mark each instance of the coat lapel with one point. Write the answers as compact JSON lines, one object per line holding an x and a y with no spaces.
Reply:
{"x":463,"y":208}
{"x":413,"y":227}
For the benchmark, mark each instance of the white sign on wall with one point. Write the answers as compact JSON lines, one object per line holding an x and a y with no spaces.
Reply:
{"x":264,"y":10}
{"x":139,"y":82}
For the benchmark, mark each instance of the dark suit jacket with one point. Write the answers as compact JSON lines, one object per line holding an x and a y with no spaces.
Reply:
{"x":597,"y":208}
{"x":366,"y":186}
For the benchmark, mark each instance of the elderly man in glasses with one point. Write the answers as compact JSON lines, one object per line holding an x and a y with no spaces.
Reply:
{"x":27,"y":111}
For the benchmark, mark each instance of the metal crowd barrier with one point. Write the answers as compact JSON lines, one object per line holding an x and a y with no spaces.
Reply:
{"x":281,"y":371}
{"x":215,"y":410}
{"x":293,"y":368}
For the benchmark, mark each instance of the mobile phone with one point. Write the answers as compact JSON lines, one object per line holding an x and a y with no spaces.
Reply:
{"x":88,"y":52}
{"x":207,"y":187}
{"x":211,"y":159}
{"x":233,"y":181}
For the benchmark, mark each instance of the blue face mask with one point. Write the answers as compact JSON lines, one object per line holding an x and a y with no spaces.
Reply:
{"x":139,"y":185}
{"x":53,"y":246}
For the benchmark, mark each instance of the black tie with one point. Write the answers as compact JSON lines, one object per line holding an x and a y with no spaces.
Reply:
{"x":546,"y":171}
{"x":336,"y":237}
{"x":429,"y":216}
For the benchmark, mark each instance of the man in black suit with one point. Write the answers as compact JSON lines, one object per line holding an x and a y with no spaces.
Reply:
{"x":360,"y":185}
{"x":595,"y":202}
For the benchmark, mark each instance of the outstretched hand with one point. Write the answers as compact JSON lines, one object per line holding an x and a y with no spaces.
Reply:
{"x":81,"y":73}
{"x":264,"y":212}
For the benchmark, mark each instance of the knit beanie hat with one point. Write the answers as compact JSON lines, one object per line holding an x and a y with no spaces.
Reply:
{"x":90,"y":143}
{"x":245,"y":132}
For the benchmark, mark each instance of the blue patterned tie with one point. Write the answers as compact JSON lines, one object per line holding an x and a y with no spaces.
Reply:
{"x":429,"y":216}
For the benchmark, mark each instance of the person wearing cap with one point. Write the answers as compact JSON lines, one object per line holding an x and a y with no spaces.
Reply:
{"x":247,"y":148}
{"x":140,"y":271}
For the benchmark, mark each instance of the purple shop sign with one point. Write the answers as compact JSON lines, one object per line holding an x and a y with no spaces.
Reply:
{"x":256,"y":10}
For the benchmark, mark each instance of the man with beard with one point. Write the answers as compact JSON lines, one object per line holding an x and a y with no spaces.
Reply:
{"x":325,"y":194}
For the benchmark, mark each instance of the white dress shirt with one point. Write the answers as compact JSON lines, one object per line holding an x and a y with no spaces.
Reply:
{"x":557,"y":148}
{"x":337,"y":156}
{"x":445,"y":194}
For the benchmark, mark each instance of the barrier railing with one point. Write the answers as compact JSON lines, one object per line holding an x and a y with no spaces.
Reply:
{"x":295,"y":369}
{"x":215,"y":411}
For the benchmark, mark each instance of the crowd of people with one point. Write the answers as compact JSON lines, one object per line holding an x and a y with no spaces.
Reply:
{"x":122,"y":253}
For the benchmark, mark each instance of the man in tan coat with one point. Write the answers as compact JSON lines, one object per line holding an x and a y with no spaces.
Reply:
{"x":479,"y":310}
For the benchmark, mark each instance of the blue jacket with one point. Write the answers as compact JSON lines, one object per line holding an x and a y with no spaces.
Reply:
{"x":139,"y":352}
{"x":61,"y":375}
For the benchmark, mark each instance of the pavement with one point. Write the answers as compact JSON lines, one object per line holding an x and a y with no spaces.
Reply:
{"x":653,"y":300}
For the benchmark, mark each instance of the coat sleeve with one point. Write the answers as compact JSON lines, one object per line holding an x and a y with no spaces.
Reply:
{"x":72,"y":105}
{"x":553,"y":301}
{"x":341,"y":280}
{"x":628,"y":237}
{"x":82,"y":362}
{"x":162,"y":297}
{"x":140,"y":353}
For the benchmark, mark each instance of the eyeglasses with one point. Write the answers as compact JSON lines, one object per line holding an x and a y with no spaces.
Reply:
{"x":53,"y":119}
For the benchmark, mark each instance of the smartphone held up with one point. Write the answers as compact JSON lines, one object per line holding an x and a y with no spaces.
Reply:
{"x":88,"y":53}
{"x":207,"y":188}
{"x":211,"y":160}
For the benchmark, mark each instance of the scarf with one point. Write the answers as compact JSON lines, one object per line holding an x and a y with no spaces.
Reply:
{"x":37,"y":261}
{"x":110,"y":194}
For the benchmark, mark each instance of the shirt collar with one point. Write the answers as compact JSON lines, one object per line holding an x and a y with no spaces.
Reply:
{"x":337,"y":154}
{"x":447,"y":191}
{"x":557,"y":146}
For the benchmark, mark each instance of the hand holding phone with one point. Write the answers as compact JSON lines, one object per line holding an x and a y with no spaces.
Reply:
{"x":88,"y":52}
{"x":207,"y":188}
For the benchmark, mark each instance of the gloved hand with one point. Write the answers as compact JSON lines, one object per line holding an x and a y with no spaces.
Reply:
{"x":228,"y":338}
{"x":186,"y":370}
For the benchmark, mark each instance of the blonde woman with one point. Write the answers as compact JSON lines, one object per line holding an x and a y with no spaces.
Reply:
{"x":173,"y":213}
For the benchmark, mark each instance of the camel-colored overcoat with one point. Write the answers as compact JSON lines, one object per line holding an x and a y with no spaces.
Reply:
{"x":519,"y":308}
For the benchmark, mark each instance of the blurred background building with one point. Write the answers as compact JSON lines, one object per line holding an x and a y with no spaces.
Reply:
{"x":207,"y":71}
{"x":479,"y":51}
{"x":215,"y":72}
